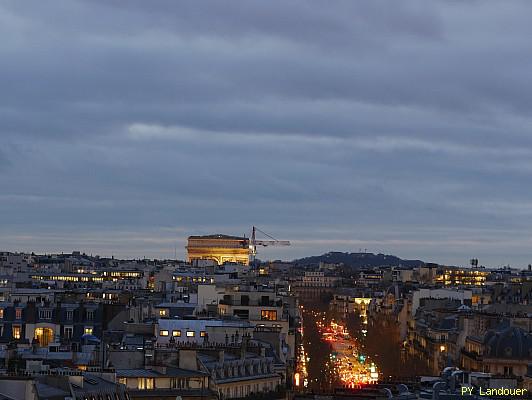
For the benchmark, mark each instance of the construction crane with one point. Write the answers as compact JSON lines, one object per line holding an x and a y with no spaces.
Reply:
{"x":265,"y":243}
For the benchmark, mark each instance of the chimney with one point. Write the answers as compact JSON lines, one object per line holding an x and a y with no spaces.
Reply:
{"x":244,"y":346}
{"x":188,"y":359}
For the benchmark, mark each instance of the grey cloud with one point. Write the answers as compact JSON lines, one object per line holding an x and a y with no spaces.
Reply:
{"x":4,"y":162}
{"x":338,"y":125}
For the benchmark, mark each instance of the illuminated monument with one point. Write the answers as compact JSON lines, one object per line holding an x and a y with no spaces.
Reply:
{"x":225,"y":248}
{"x":220,"y":248}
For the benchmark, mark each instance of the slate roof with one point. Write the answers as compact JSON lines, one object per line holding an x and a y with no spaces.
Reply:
{"x":150,"y":373}
{"x":511,"y":343}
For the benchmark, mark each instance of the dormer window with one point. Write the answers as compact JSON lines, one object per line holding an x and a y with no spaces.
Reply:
{"x":45,"y":314}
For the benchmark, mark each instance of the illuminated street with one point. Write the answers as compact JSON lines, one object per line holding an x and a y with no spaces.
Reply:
{"x":346,"y":349}
{"x":333,"y":357}
{"x":349,"y":362}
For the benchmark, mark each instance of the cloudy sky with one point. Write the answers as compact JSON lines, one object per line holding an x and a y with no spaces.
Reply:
{"x":337,"y":125}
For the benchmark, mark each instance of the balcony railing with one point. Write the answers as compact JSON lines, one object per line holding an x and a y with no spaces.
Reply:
{"x":471,"y":354}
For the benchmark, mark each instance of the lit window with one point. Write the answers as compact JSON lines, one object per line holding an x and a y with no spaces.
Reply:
{"x":18,"y":313}
{"x":268,"y":315}
{"x":202,"y":333}
{"x":191,"y":333}
{"x":1,"y":313}
{"x":44,"y":336}
{"x":150,"y":383}
{"x":145,"y":383}
{"x":176,"y":333}
{"x":162,"y":313}
{"x":163,"y":333}
{"x":17,"y":331}
{"x":88,"y":330}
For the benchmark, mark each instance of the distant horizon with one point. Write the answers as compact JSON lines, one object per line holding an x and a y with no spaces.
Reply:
{"x":181,"y":255}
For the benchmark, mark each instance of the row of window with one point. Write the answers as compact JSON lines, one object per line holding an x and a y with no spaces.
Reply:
{"x":177,"y":333}
{"x":67,"y":278}
{"x":192,"y":279}
{"x":246,"y":390}
{"x":124,"y":274}
{"x":69,"y":331}
{"x":16,"y":331}
{"x":149,"y":383}
{"x":47,"y":314}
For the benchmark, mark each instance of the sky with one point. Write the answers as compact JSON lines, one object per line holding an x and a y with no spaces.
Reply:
{"x":344,"y":125}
